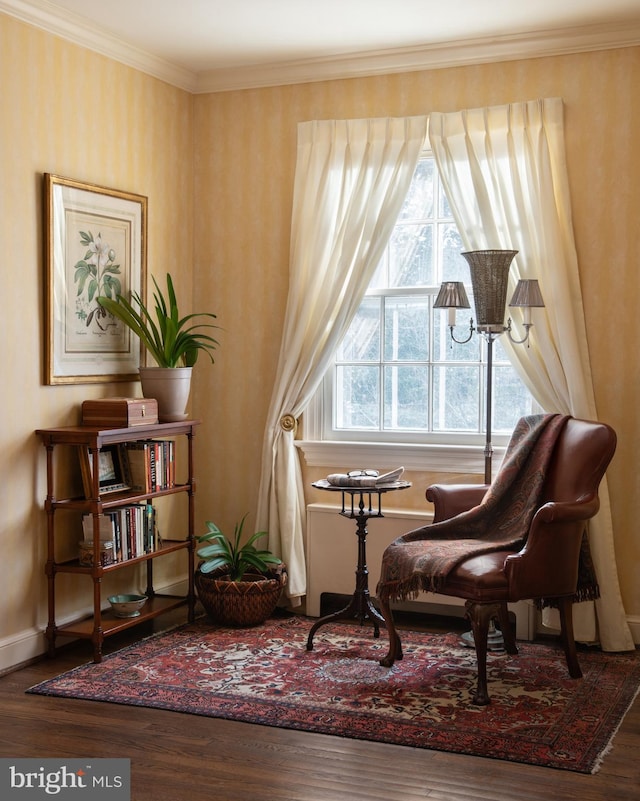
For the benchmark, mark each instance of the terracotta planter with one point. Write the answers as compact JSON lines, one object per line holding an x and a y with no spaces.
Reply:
{"x":240,"y":603}
{"x":170,"y":386}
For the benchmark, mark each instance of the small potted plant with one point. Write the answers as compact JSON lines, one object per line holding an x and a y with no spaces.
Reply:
{"x":238,"y":584}
{"x":174,"y":343}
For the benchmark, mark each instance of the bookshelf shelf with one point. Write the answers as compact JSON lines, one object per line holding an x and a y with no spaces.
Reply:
{"x":90,"y":442}
{"x":84,"y":627}
{"x":113,"y":501}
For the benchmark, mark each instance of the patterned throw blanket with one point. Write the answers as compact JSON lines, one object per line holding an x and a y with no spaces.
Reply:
{"x":421,"y":560}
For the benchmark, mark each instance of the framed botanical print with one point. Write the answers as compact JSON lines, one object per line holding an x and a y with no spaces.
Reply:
{"x":95,"y":244}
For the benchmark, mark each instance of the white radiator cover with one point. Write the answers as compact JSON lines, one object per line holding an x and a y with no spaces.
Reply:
{"x":332,"y":555}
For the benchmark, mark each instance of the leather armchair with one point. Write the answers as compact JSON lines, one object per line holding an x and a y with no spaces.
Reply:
{"x":547,"y":566}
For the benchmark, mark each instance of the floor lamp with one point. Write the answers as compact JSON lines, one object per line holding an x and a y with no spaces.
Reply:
{"x":489,"y":279}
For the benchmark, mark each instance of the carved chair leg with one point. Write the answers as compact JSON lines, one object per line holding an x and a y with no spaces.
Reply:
{"x":565,"y":607}
{"x":395,"y":646}
{"x":507,"y":630}
{"x":480,"y":615}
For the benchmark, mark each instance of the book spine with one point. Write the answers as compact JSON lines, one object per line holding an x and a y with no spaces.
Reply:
{"x":149,"y":545}
{"x":129,"y":532}
{"x":152,"y":465}
{"x":121,"y":554}
{"x":139,"y":515}
{"x":163,"y":464}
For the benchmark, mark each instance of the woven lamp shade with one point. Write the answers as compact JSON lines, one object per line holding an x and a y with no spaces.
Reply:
{"x":489,"y":279}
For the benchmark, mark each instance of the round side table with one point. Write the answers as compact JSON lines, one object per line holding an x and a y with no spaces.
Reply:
{"x":360,"y":504}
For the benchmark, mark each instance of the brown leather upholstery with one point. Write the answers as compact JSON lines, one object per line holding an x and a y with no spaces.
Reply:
{"x":547,"y":565}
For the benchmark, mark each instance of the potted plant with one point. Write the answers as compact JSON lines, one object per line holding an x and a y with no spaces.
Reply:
{"x":238,"y":584}
{"x":174,"y":343}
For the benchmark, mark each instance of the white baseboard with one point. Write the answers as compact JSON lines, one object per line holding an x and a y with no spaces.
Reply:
{"x":634,"y":625}
{"x":24,"y":646}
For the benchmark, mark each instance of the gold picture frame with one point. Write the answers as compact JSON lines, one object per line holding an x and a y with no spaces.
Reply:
{"x":95,"y":243}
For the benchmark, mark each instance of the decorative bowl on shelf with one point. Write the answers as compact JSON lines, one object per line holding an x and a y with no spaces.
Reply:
{"x":127,"y":605}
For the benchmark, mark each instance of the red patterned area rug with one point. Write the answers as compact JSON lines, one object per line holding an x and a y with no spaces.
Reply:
{"x":265,"y":675}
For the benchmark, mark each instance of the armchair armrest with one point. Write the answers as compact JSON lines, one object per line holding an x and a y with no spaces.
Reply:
{"x":547,"y":564}
{"x":451,"y":499}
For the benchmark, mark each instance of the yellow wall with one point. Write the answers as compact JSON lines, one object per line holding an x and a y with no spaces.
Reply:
{"x":218,"y":172}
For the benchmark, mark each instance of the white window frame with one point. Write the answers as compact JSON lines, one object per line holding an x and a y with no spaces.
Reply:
{"x":445,"y":457}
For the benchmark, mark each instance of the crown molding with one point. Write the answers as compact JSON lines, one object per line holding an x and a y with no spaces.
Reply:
{"x":45,"y":15}
{"x":436,"y":56}
{"x":75,"y":29}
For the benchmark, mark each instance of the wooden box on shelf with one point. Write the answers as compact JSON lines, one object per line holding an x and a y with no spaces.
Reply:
{"x":119,"y":412}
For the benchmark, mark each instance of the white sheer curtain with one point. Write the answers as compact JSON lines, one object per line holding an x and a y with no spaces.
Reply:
{"x":504,"y":173}
{"x":351,"y":179}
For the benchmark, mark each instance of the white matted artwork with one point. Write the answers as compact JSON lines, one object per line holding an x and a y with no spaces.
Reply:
{"x":95,"y":245}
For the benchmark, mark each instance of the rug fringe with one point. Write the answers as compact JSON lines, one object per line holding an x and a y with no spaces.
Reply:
{"x":609,"y":746}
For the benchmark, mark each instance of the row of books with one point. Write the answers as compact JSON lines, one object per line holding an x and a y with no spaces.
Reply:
{"x":131,"y":529}
{"x":149,"y":465}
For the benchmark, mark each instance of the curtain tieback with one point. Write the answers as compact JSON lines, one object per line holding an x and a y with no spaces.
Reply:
{"x":288,"y":422}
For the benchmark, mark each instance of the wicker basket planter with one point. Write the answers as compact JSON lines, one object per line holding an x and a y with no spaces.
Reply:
{"x":240,"y":603}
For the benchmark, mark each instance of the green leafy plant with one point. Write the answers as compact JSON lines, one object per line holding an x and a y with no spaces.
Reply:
{"x":95,"y":274}
{"x":230,"y":554}
{"x":170,"y":339}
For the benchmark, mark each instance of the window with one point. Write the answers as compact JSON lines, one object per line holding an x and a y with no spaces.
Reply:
{"x":398,"y":377}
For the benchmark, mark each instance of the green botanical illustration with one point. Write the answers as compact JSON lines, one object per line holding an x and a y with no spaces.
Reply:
{"x":96,"y":274}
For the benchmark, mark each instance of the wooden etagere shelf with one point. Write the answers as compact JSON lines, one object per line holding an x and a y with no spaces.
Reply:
{"x":95,"y":503}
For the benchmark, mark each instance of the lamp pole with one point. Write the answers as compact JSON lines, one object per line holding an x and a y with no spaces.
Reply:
{"x":488,"y":447}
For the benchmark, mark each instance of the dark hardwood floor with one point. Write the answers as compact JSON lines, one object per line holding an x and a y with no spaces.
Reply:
{"x":178,"y":757}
